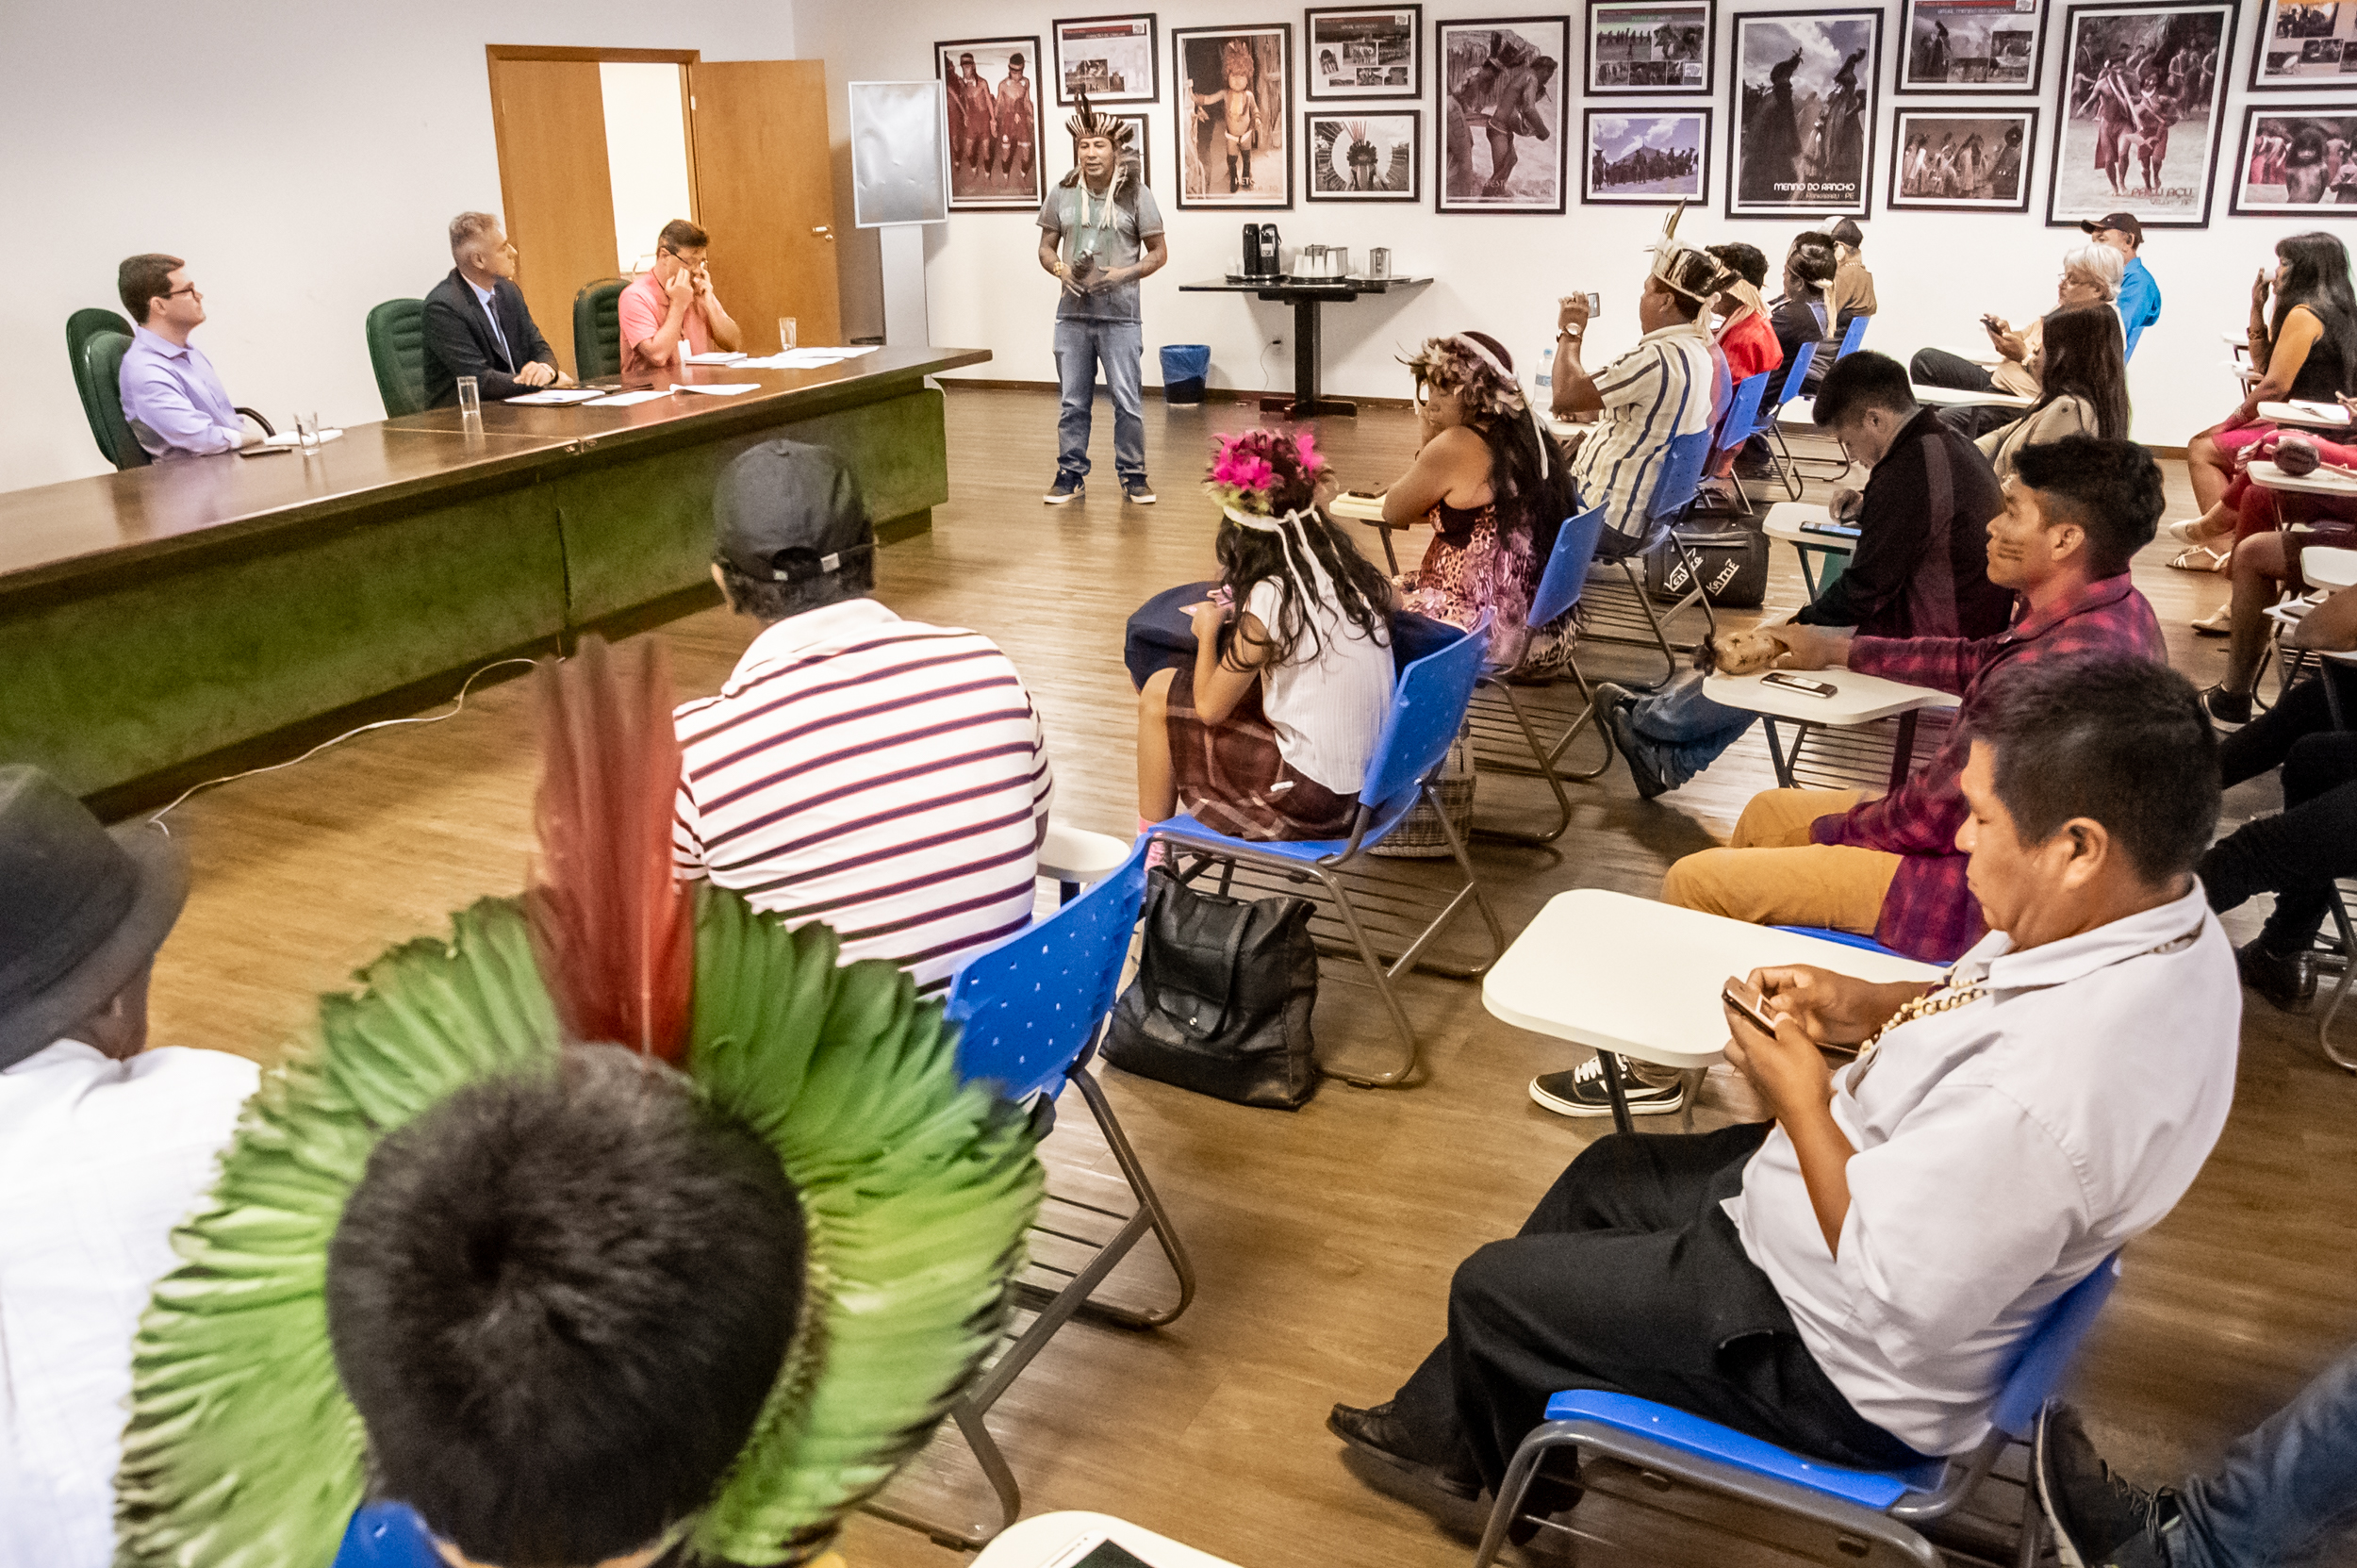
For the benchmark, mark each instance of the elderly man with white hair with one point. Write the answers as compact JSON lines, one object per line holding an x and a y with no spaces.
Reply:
{"x":476,"y":323}
{"x":2091,"y":275}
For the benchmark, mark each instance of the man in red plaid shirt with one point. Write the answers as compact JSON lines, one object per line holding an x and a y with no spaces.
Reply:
{"x":2076,"y":512}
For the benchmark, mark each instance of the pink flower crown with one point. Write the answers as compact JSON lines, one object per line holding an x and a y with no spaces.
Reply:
{"x":1243,"y":465}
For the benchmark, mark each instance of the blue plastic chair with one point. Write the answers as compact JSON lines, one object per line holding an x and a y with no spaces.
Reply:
{"x":387,"y":1535}
{"x":1675,"y":486}
{"x":1852,"y":336}
{"x":1862,"y":1506}
{"x":1558,"y":589}
{"x":1844,"y":939}
{"x":1769,"y":430}
{"x":1429,"y":708}
{"x":1030,"y":1013}
{"x":1742,"y":419}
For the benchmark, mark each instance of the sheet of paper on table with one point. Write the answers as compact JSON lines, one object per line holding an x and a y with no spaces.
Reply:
{"x":718,"y":389}
{"x":287,"y":439}
{"x":559,"y":395}
{"x":717,"y":356}
{"x":624,"y":400}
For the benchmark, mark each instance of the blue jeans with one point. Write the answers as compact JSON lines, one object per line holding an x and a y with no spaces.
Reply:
{"x":2285,"y":1488}
{"x":1080,"y":347}
{"x":1683,"y":732}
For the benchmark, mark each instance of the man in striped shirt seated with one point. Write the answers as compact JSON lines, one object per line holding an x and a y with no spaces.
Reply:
{"x":886,"y":777}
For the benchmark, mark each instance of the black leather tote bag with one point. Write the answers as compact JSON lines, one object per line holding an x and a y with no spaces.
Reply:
{"x":1221,"y":1001}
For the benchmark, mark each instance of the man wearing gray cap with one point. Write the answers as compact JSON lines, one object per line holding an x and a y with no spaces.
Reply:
{"x":105,"y":1145}
{"x":883,"y":776}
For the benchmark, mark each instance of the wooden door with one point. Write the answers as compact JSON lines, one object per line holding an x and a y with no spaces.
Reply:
{"x":764,"y":192}
{"x":548,"y":116}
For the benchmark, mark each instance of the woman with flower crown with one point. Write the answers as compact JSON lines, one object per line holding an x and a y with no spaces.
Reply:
{"x":1493,"y":484}
{"x":1268,"y":735}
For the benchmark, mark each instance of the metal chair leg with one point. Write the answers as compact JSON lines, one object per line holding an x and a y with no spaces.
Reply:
{"x":1511,"y":1490}
{"x":1545,"y":770}
{"x":1149,"y":1204}
{"x":2340,"y":992}
{"x":1399,"y":1076}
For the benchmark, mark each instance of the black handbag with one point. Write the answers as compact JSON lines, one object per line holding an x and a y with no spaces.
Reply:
{"x":1734,"y":563}
{"x":1221,"y":1001}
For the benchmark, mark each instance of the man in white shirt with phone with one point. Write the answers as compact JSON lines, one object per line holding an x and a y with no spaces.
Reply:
{"x":1854,"y":1280}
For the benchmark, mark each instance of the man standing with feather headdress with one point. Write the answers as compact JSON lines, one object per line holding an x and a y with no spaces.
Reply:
{"x":1100,"y":233}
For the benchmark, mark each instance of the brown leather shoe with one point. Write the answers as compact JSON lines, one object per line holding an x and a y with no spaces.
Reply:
{"x":1389,"y":1438}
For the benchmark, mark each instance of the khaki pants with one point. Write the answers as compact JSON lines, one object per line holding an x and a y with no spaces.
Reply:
{"x":1770,"y":874}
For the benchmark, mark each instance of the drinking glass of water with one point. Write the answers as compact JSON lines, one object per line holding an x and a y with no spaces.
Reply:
{"x":307,"y":433}
{"x":469,"y":398}
{"x":789,"y":333}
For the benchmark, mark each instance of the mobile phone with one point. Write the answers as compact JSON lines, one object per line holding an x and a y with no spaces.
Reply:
{"x":1098,"y":1550}
{"x":1595,"y":305}
{"x":1800,"y":684}
{"x":1846,"y":530}
{"x":1739,"y":996}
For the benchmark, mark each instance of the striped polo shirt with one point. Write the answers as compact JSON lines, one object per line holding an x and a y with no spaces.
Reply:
{"x":1657,"y":390}
{"x":883,"y":776}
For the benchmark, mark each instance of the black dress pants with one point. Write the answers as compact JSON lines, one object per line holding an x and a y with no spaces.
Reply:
{"x":1939,"y":368}
{"x":2297,"y":854}
{"x":1629,"y":1276}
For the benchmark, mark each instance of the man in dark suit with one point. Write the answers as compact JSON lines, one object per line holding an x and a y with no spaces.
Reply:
{"x":476,"y":323}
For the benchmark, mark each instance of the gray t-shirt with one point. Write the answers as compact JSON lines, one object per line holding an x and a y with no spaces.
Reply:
{"x":1100,"y":227}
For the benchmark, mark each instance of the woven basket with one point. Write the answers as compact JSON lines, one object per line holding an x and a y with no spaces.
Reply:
{"x":1418,"y":835}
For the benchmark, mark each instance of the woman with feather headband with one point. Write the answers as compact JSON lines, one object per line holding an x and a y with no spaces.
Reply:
{"x":1100,"y":233}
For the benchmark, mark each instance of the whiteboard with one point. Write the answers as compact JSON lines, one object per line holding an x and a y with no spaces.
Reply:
{"x":899,"y":154}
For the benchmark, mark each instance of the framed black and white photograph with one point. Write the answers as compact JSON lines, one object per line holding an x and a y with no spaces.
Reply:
{"x":1647,"y":158}
{"x":1364,"y":155}
{"x":2297,"y":163}
{"x":2304,"y":47}
{"x":1114,"y":60}
{"x":1662,"y":48}
{"x":1962,"y":160}
{"x":994,"y":122}
{"x":1973,"y":46}
{"x":1233,"y":102}
{"x":1802,"y":100}
{"x":1363,"y":53}
{"x":2143,"y":113}
{"x":1501,"y":120}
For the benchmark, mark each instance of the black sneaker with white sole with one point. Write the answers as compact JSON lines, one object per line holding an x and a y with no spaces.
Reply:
{"x":1137,"y":492}
{"x":1068,"y":487}
{"x":2099,"y":1520}
{"x":1582,"y":1091}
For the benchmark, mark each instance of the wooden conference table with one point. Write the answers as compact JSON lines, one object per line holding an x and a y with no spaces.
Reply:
{"x":161,"y":621}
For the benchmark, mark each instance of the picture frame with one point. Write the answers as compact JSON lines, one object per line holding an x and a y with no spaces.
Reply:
{"x":1502,"y":114}
{"x":1971,"y":48}
{"x":1116,"y":60}
{"x":1235,"y":144}
{"x":1361,"y":52}
{"x":1803,"y":98}
{"x":992,"y":171}
{"x":2284,"y":165}
{"x":2186,"y":47}
{"x":1615,"y":172}
{"x":2304,"y":46}
{"x":1972,"y":159}
{"x":1656,"y":48}
{"x":1363,"y":155}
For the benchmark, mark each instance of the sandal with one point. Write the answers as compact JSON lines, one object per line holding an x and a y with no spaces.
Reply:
{"x":2220,"y":623}
{"x":2202,"y":557}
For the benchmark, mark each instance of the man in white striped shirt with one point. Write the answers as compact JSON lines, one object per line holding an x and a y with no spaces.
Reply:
{"x":883,"y":776}
{"x":1656,"y":391}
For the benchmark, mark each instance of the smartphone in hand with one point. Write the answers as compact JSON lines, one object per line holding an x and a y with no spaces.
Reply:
{"x":1739,"y":995}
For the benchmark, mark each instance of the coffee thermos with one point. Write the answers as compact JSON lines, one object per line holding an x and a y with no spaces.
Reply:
{"x":1262,"y":255}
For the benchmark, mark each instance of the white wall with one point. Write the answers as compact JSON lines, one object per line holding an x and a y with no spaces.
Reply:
{"x":304,"y":159}
{"x":645,"y":155}
{"x":1935,"y":273}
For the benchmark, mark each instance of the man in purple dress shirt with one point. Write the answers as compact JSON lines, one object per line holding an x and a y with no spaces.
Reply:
{"x":171,"y":394}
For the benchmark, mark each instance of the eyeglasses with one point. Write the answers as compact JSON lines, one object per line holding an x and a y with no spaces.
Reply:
{"x":188,"y":288}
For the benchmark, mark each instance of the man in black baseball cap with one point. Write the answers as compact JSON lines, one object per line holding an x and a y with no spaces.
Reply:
{"x":886,"y":777}
{"x":2139,"y":300}
{"x":105,"y":1145}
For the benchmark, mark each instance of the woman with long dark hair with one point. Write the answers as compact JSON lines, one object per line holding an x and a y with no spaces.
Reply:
{"x":1268,"y":733}
{"x":1492,"y":482}
{"x":2082,"y":386}
{"x":2306,"y":349}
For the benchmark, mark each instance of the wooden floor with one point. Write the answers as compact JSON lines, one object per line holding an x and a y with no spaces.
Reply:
{"x":1324,"y":1239}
